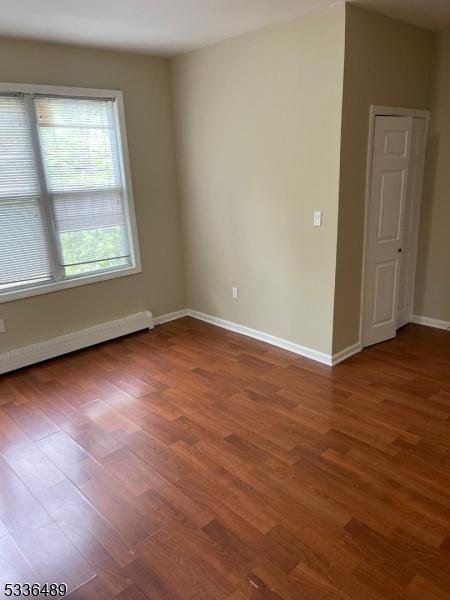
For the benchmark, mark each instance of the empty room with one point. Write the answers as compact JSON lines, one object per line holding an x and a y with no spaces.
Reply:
{"x":225,"y":299}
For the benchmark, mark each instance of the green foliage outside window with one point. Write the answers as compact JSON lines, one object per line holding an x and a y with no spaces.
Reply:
{"x":80,"y":246}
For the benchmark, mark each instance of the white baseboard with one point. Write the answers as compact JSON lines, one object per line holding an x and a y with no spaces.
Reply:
{"x":179,"y":314}
{"x":429,"y":322}
{"x":321,"y":357}
{"x":34,"y":353}
{"x":346,"y":353}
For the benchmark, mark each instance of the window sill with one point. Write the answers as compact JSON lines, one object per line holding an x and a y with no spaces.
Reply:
{"x":48,"y":288}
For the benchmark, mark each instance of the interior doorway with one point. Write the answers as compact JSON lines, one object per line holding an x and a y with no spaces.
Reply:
{"x":396,"y":158}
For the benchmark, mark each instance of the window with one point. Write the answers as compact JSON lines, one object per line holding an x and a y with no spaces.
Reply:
{"x":66,"y":214}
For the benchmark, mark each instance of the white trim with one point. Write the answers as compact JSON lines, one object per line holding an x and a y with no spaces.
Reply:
{"x":126,"y":174}
{"x":47,"y":288}
{"x":45,"y":203}
{"x":396,"y":111}
{"x":321,"y":357}
{"x":429,"y":322}
{"x":74,"y":92}
{"x":34,"y":353}
{"x":58,"y":90}
{"x":346,"y":353}
{"x":173,"y":316}
{"x":377,"y":111}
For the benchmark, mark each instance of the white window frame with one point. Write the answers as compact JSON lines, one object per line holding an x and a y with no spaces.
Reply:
{"x":77,"y":92}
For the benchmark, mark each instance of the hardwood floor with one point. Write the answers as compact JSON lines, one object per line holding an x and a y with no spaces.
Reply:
{"x":191,"y":463}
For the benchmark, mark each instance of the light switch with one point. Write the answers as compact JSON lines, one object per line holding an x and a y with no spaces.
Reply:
{"x":317,"y":218}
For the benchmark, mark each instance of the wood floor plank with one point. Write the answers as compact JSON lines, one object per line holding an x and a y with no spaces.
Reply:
{"x":20,"y":512}
{"x":424,"y":588}
{"x":202,"y":570}
{"x":88,"y":530}
{"x":92,"y":590}
{"x":53,"y":557}
{"x":14,"y":567}
{"x":33,"y":467}
{"x":31,"y":420}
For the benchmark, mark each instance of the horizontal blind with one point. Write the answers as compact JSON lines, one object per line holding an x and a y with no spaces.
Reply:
{"x":24,"y":252}
{"x":81,"y":157}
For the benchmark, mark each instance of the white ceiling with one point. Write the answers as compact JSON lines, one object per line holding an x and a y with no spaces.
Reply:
{"x":170,"y":27}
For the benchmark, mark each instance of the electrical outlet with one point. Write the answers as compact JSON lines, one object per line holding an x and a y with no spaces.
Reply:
{"x":317,"y":218}
{"x":235,"y":293}
{"x":2,"y":326}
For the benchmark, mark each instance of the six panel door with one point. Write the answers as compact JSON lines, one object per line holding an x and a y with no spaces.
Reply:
{"x":385,"y":224}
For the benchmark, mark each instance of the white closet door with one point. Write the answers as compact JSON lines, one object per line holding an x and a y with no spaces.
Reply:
{"x":411,"y":223}
{"x":385,"y":224}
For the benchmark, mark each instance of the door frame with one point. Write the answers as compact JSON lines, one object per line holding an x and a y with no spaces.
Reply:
{"x":374,"y":112}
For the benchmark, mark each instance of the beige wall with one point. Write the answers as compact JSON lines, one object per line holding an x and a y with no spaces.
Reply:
{"x":386,"y":63}
{"x":258,"y":139}
{"x":432,"y":297}
{"x":160,"y":288}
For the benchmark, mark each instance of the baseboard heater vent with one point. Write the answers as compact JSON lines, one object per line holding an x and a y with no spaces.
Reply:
{"x":76,"y":340}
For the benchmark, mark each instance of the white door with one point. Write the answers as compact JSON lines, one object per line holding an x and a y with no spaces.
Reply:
{"x":411,"y":223}
{"x":385,"y":222}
